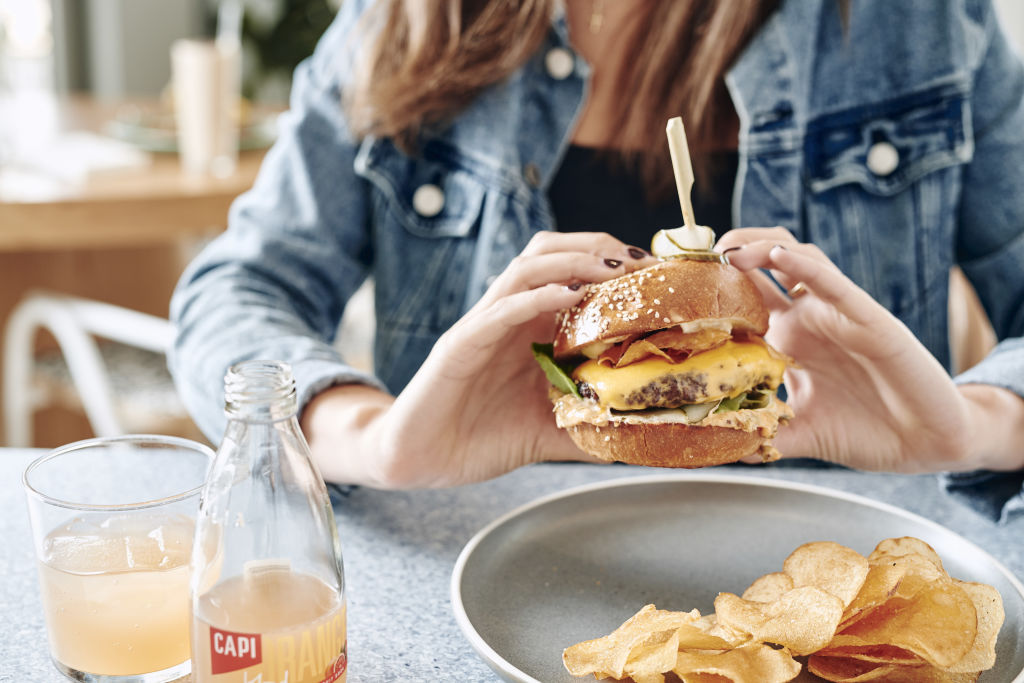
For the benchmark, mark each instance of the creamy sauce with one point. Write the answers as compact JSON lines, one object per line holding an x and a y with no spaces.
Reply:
{"x":570,"y":410}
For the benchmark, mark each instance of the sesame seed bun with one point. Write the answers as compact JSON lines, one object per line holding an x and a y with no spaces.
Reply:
{"x":669,"y":293}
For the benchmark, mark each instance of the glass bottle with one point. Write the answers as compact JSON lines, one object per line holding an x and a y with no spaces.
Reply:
{"x":268,"y":600}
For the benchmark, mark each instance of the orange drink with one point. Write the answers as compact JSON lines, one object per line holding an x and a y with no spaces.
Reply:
{"x":113,"y":524}
{"x":115,"y":593}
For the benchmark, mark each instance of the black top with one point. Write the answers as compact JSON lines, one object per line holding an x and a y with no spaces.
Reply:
{"x":591,"y":192}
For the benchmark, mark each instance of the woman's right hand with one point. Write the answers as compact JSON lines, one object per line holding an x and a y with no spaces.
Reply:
{"x":478,"y":406}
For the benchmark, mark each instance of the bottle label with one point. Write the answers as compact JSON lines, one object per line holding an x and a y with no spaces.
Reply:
{"x":336,"y":671}
{"x":231,"y":651}
{"x":306,"y":654}
{"x":271,"y":626}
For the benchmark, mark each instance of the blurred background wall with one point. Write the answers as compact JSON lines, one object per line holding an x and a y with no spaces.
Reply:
{"x":115,"y":48}
{"x":119,"y":47}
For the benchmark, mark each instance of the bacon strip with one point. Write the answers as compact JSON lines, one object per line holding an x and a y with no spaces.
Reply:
{"x":673,"y":345}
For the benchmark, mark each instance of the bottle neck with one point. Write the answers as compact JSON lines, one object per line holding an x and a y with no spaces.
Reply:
{"x":260,"y":391}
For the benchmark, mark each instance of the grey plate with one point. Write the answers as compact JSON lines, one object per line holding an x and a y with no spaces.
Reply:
{"x":575,"y":565}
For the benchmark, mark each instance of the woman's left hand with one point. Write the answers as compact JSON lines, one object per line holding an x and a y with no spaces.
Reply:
{"x":865,"y":391}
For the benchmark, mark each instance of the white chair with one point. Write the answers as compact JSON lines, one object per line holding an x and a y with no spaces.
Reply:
{"x":76,"y":324}
{"x":121,"y":387}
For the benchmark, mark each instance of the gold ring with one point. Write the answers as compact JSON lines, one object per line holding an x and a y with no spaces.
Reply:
{"x":797,"y":291}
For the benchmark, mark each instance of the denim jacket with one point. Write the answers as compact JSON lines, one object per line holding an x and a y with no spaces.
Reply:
{"x":896,"y":145}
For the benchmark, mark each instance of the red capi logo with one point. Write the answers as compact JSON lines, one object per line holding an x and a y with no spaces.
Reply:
{"x":233,"y":651}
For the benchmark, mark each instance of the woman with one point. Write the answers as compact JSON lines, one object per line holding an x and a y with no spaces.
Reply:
{"x":887,"y":139}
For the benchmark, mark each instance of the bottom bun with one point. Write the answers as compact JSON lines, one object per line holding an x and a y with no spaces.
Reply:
{"x":669,"y":444}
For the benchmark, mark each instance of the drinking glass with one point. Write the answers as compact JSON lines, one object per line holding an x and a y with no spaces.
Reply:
{"x":112,"y":523}
{"x":206,"y":77}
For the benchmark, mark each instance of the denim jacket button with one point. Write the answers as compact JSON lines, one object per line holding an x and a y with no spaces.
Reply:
{"x":560,"y":63}
{"x":428,"y":200}
{"x":883,"y":158}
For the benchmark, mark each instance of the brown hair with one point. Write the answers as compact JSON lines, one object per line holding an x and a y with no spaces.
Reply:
{"x":429,"y":60}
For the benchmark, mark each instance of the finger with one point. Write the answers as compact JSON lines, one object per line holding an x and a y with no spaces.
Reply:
{"x":492,"y":324}
{"x":774,"y":298}
{"x":755,"y":254}
{"x":758,"y":255}
{"x":596,"y":243}
{"x":825,"y":281}
{"x":530,"y":272}
{"x":740,"y":237}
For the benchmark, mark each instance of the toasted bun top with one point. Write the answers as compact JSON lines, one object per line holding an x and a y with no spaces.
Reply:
{"x":669,"y":293}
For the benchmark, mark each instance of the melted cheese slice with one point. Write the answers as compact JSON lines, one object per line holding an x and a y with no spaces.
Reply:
{"x":722,"y":372}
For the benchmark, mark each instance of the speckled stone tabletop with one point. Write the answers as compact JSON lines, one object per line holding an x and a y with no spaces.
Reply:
{"x":400,"y":548}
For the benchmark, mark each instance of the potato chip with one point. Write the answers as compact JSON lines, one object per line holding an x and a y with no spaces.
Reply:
{"x":610,"y":356}
{"x":939,"y":624}
{"x":639,"y":350}
{"x":696,"y":638}
{"x":988,"y":605}
{"x":803,"y":619}
{"x":704,"y":678}
{"x":711,"y":626}
{"x":829,"y":566}
{"x":675,"y":339}
{"x":894,"y":616}
{"x":755,"y":663}
{"x":650,"y":658}
{"x":916,"y":565}
{"x":892,"y":576}
{"x":845,"y":669}
{"x":906,"y":545}
{"x":880,"y":585}
{"x":769,"y":587}
{"x":610,"y":654}
{"x":929,"y":674}
{"x":841,"y":670}
{"x":841,"y":646}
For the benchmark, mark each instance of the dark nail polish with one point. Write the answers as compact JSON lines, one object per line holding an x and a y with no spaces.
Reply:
{"x":612,"y":263}
{"x":575,"y":286}
{"x":732,"y":249}
{"x":637,"y":253}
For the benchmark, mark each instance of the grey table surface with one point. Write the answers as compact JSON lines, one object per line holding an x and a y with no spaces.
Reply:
{"x":400,"y":549}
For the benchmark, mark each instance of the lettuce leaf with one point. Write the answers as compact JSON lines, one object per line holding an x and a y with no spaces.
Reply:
{"x":557,"y":374}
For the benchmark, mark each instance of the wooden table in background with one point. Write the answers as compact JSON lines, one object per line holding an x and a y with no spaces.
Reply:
{"x":121,"y":236}
{"x":154,"y":205}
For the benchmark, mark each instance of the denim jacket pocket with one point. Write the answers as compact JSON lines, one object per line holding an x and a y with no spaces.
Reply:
{"x":432,"y":196}
{"x":428,"y":215}
{"x":883,"y":181}
{"x":886,"y":147}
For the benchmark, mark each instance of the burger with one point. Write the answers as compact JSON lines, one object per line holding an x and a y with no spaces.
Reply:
{"x":667,"y":366}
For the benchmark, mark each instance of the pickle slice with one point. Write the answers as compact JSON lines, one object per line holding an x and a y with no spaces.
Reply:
{"x":682,"y":242}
